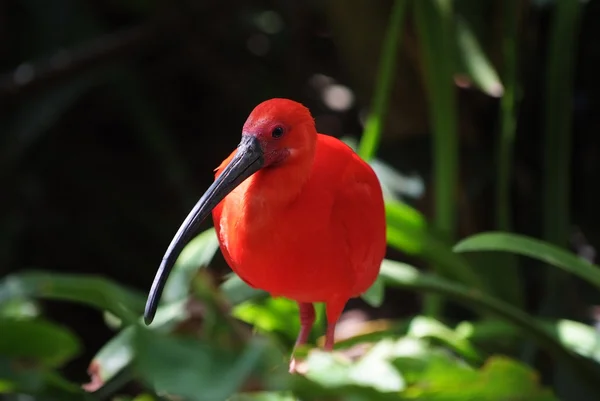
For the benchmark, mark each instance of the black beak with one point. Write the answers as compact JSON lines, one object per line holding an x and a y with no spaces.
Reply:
{"x":248,"y":160}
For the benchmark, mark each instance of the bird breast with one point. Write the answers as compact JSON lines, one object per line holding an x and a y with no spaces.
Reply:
{"x":285,"y":249}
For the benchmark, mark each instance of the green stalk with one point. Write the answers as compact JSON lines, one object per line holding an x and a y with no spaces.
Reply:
{"x":508,"y":116}
{"x":369,"y":143}
{"x":434,"y":26}
{"x":506,"y":278}
{"x":558,"y":121}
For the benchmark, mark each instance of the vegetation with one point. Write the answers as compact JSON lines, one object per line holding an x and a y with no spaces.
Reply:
{"x":493,"y":324}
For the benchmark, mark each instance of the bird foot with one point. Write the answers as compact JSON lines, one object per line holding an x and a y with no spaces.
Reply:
{"x":296,"y":366}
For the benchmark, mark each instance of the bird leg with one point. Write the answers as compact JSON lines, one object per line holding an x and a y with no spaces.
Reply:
{"x":333,"y":311}
{"x":329,"y":336}
{"x":307,"y":319}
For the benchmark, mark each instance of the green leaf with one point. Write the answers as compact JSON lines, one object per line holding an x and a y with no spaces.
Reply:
{"x":15,"y":377}
{"x":117,"y":353}
{"x":270,"y":315}
{"x":405,"y":276}
{"x":97,"y":292}
{"x":197,"y":253}
{"x":407,"y":232}
{"x":194,"y":369}
{"x":434,"y":24}
{"x":372,"y":370}
{"x":374,"y":295}
{"x":440,"y":378}
{"x":236,"y":291}
{"x":534,"y":248}
{"x":263,"y":396}
{"x":475,"y":61}
{"x":426,"y":327}
{"x":387,"y":65}
{"x":406,"y":227}
{"x":558,"y":137}
{"x":33,"y":381}
{"x":19,"y":308}
{"x":579,"y":337}
{"x":113,"y":357}
{"x":37,"y":340}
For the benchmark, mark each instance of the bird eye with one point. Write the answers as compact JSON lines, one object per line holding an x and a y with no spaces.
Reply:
{"x":277,"y":132}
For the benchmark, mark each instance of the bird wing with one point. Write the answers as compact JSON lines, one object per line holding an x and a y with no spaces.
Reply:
{"x":358,"y":211}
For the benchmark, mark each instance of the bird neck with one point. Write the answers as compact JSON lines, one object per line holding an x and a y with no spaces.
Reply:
{"x":281,"y":184}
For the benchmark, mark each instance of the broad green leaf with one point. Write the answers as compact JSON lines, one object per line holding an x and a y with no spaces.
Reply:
{"x":534,"y":248}
{"x":197,"y":253}
{"x":374,"y":295}
{"x":37,"y":340}
{"x":31,"y":381}
{"x":97,"y":292}
{"x":407,"y":232}
{"x":14,"y":378}
{"x":405,"y":276}
{"x":406,"y":227}
{"x":117,"y":353}
{"x":112,"y":358}
{"x":441,"y":378}
{"x":271,"y":315}
{"x":194,"y":369}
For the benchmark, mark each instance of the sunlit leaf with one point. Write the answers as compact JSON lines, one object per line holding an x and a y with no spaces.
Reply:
{"x":426,"y":327}
{"x":271,"y":315}
{"x":374,"y":295}
{"x":441,"y":378}
{"x":408,"y":277}
{"x":534,"y":248}
{"x":196,"y":254}
{"x":476,"y":62}
{"x":406,"y":229}
{"x":579,"y":337}
{"x":372,"y":370}
{"x":19,"y":308}
{"x":263,"y":396}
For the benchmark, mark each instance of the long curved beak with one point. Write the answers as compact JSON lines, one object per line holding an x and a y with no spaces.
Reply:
{"x":248,"y":160}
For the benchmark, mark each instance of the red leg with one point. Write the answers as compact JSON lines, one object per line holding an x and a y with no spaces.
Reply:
{"x":334,"y":311}
{"x":307,"y":319}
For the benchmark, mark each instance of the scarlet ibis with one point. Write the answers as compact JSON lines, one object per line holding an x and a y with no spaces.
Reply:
{"x":298,"y":214}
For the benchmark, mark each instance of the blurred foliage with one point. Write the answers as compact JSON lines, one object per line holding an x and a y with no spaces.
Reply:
{"x":90,"y":158}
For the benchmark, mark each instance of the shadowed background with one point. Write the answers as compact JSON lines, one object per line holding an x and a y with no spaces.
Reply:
{"x":114,"y":114}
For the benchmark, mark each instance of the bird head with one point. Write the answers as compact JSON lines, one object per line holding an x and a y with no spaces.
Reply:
{"x":277,"y":132}
{"x":283,"y":129}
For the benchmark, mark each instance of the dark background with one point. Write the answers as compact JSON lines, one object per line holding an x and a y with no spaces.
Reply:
{"x":113,"y":115}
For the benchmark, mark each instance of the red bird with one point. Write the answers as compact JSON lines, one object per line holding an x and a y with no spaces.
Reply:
{"x":298,"y":214}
